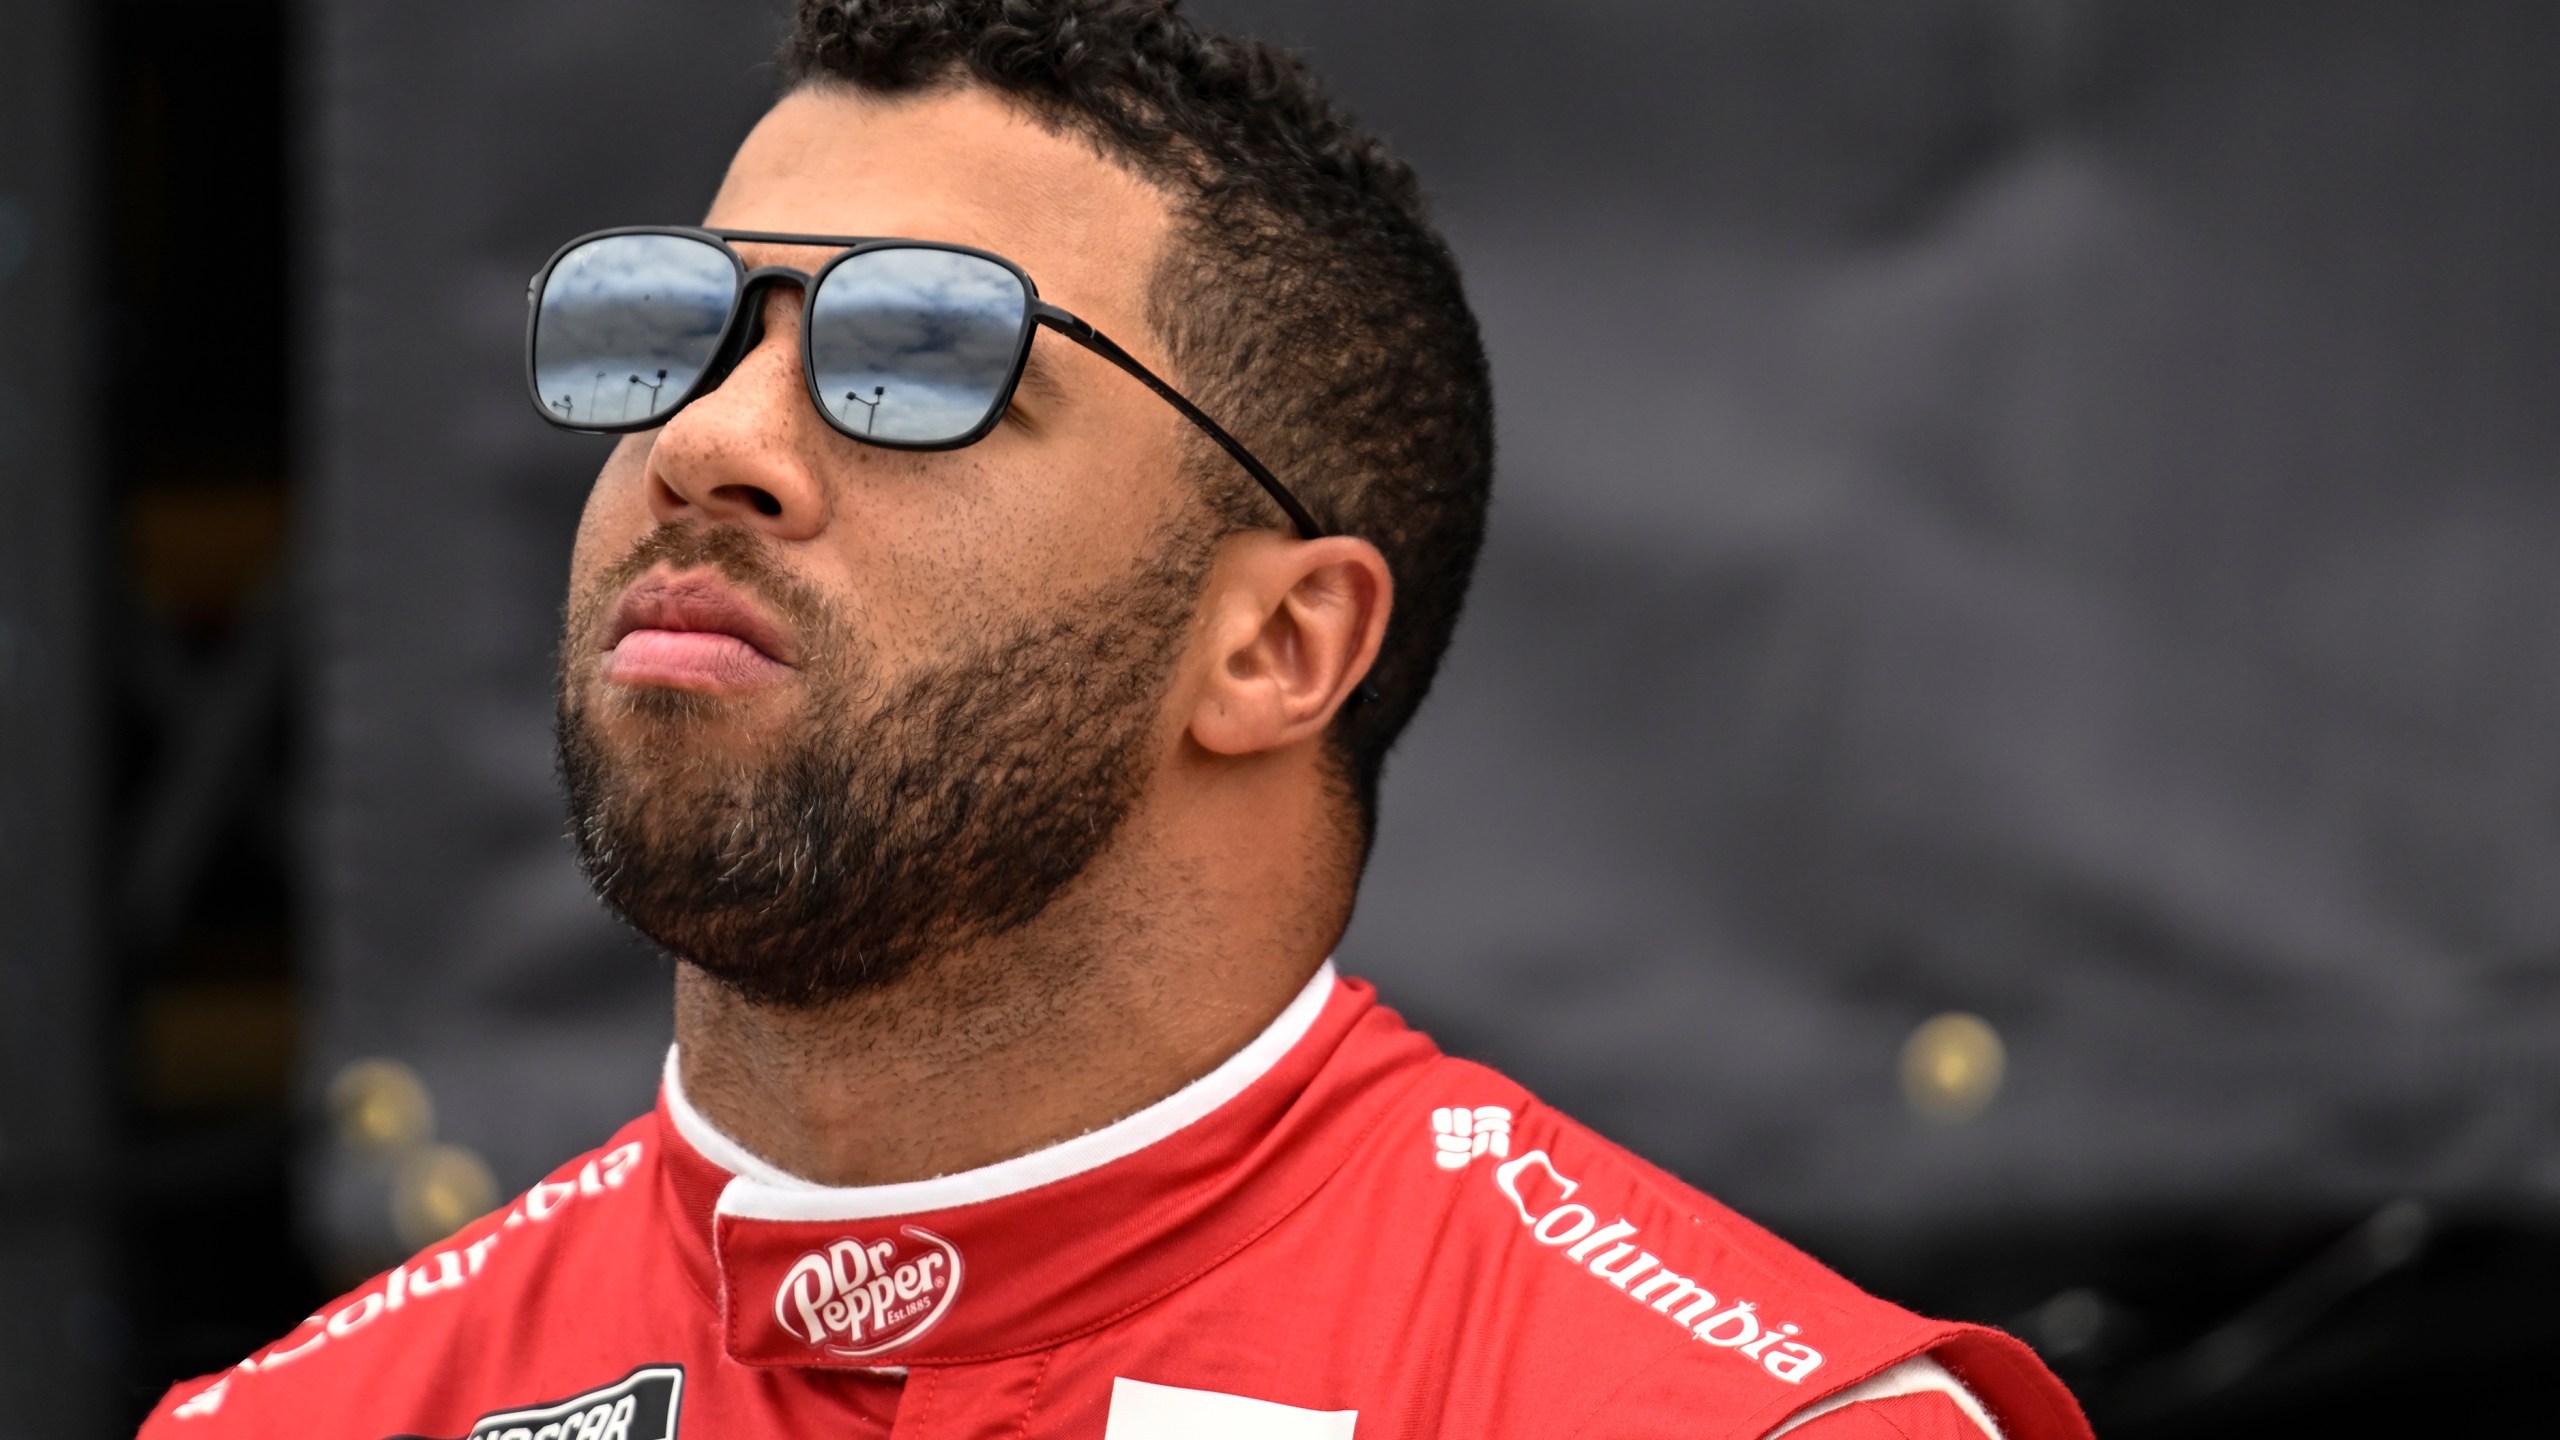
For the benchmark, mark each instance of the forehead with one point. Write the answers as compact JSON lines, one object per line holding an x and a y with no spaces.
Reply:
{"x":961,"y":165}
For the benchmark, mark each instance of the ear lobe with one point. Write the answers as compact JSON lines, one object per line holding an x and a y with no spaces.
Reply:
{"x":1294,"y":627}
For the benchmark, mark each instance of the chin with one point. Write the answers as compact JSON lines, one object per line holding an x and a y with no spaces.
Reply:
{"x":682,"y":746}
{"x":667,"y":711}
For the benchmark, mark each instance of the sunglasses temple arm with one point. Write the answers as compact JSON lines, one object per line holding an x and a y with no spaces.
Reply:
{"x":1102,"y":345}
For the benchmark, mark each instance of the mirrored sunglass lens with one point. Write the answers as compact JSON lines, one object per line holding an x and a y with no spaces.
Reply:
{"x":626,"y":324}
{"x":915,"y":346}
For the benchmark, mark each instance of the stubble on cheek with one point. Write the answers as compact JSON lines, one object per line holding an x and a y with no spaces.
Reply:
{"x":886,"y":826}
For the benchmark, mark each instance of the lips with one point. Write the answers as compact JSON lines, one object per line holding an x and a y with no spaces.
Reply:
{"x":693,"y":631}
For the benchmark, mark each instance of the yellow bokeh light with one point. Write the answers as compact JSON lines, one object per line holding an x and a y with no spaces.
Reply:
{"x":381,"y":1105}
{"x":1952,"y":1066}
{"x":439,"y":1189}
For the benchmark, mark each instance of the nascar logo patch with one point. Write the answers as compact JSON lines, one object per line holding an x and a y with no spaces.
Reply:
{"x":640,"y":1406}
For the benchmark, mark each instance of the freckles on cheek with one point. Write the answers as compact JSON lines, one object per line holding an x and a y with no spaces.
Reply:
{"x":948,"y":548}
{"x":1067,"y":523}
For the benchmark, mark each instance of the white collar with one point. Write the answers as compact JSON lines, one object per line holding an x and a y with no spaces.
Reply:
{"x":763,"y":1190}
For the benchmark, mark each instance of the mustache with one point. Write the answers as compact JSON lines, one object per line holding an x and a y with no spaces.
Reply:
{"x":737,"y":555}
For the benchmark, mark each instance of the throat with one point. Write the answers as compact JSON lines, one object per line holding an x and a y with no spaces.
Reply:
{"x":958,"y":1067}
{"x":918,"y":1079}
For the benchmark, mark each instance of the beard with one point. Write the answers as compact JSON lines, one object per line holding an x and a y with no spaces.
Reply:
{"x":893,"y":822}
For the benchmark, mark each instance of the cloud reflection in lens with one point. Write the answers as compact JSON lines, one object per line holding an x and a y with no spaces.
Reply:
{"x":627,"y":324}
{"x":915,"y":345}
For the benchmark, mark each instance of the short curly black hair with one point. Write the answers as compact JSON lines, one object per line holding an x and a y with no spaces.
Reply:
{"x":1311,"y":306}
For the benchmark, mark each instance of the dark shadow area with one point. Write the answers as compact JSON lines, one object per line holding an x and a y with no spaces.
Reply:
{"x":201,"y":262}
{"x":2231,"y":1324}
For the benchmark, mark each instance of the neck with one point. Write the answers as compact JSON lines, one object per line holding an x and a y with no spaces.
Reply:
{"x":973,"y":1058}
{"x":1191,"y":932}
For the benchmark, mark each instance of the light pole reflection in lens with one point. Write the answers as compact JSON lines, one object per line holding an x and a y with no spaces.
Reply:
{"x":653,"y":389}
{"x":871,"y":413}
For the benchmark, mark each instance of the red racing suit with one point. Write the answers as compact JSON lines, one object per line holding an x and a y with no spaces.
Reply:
{"x":1339,"y":1232}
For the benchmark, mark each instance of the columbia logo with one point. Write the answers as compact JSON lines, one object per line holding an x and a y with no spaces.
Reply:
{"x":1463,"y":1134}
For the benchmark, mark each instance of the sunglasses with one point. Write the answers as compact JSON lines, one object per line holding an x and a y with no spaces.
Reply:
{"x":909,"y":344}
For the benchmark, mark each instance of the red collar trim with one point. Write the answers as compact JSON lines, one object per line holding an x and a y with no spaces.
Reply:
{"x":1021,"y":1255}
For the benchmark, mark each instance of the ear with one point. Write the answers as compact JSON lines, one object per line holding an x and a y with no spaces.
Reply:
{"x":1292,"y":627}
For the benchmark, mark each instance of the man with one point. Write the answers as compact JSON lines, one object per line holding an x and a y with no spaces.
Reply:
{"x":1050,"y":480}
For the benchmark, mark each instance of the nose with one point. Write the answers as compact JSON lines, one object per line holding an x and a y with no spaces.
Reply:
{"x":743,"y":454}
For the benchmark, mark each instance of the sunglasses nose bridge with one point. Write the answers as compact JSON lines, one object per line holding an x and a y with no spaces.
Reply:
{"x":746,"y":328}
{"x":764,"y":277}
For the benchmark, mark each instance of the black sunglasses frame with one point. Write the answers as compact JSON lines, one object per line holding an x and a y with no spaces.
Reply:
{"x":744,"y":330}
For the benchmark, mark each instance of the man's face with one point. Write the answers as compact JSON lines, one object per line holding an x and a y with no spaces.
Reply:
{"x":829,"y":709}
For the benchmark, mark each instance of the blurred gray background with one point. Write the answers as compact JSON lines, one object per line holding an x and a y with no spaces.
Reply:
{"x":2005,"y":729}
